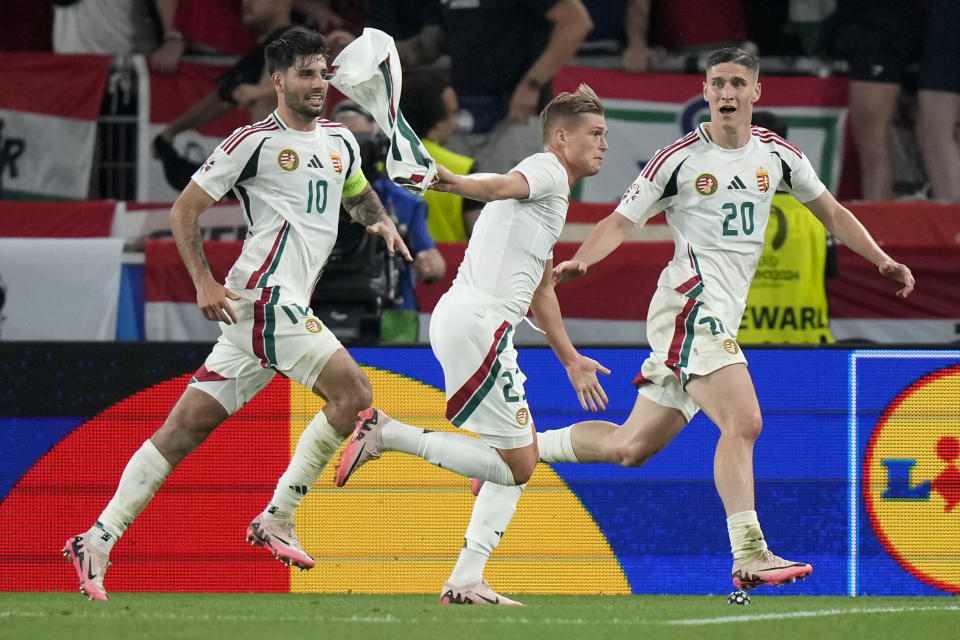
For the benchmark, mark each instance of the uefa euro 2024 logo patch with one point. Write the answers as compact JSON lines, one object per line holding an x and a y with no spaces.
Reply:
{"x":911,"y":479}
{"x":631,"y":193}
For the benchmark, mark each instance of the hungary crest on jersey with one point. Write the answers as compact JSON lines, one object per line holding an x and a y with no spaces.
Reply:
{"x":763,"y":180}
{"x":706,"y":184}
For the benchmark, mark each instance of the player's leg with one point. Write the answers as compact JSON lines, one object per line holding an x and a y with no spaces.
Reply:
{"x":337,"y":377}
{"x":484,"y":390}
{"x":649,"y":428}
{"x":492,"y":512}
{"x":729,"y":399}
{"x":377,"y":433}
{"x":195,"y":415}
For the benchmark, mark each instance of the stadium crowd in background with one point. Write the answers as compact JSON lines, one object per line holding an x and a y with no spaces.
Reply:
{"x":890,"y":48}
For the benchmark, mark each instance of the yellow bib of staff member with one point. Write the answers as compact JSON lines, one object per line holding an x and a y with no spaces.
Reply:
{"x":787,"y":302}
{"x":445,"y":210}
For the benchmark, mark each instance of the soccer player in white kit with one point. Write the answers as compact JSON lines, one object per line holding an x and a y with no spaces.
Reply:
{"x":715,"y":185}
{"x":506,"y":271}
{"x":290,"y":172}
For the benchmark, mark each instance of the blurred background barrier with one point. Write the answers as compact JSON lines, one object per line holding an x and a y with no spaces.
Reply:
{"x":156,"y":299}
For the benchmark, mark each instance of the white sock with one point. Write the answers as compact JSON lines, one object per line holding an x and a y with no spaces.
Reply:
{"x":470,"y":457}
{"x":746,"y":538}
{"x":492,"y":512}
{"x":556,"y":445}
{"x":145,"y":472}
{"x":317,"y":444}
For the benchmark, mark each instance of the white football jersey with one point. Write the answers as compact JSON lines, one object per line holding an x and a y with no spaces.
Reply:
{"x":289,"y":184}
{"x":717,"y":203}
{"x":513,"y":239}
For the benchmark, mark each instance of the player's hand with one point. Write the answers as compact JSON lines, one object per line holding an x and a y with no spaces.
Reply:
{"x":388,"y":231}
{"x":583,"y":376}
{"x":523,"y":104}
{"x":214,"y":301}
{"x":899,"y":272}
{"x":568,"y":270}
{"x":444,"y":180}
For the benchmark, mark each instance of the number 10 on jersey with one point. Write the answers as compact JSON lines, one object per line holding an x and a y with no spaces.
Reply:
{"x":316,"y":193}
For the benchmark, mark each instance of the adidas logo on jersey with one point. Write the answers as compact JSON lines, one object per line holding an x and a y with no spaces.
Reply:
{"x":736,"y":183}
{"x":315,"y":162}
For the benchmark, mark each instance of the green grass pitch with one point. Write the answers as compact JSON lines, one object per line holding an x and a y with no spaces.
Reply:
{"x":146,"y":616}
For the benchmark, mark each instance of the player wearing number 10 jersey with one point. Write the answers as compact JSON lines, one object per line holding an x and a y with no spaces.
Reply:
{"x":289,"y":172}
{"x":716,"y":185}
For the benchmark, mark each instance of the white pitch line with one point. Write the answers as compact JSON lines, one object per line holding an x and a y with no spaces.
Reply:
{"x":804,"y":614}
{"x":514,"y":620}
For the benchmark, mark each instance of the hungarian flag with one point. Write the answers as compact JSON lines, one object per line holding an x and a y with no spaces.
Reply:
{"x":170,"y":298}
{"x":48,"y":123}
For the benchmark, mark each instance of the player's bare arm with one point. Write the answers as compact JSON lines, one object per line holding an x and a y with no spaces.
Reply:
{"x":851,"y":232}
{"x":603,"y":239}
{"x":485,"y":187}
{"x":366,"y":208}
{"x":212,"y":297}
{"x":581,"y":370}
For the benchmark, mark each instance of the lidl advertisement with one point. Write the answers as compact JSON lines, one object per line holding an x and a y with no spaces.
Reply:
{"x":857,"y":472}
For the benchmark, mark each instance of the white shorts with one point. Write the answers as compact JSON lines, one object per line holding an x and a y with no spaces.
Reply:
{"x":267,"y":338}
{"x":687,"y":340}
{"x":484,"y":386}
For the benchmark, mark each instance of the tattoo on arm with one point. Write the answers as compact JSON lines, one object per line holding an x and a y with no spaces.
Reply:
{"x":198,"y":245}
{"x":365,"y":207}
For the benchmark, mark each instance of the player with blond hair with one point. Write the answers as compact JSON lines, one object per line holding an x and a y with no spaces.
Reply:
{"x":506,"y":271}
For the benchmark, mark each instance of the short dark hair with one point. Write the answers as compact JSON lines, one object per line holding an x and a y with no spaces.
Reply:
{"x":734,"y":55}
{"x":292,"y":45}
{"x":421,"y":99}
{"x":770,"y":120}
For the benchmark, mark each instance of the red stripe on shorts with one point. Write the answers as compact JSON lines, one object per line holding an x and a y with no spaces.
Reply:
{"x":259,"y":321}
{"x":679,"y":335}
{"x":205,"y":375}
{"x":459,"y":400}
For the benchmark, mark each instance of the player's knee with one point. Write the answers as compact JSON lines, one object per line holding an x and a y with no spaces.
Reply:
{"x":633,"y":453}
{"x":523,"y":471}
{"x":354,"y":397}
{"x":748,"y":425}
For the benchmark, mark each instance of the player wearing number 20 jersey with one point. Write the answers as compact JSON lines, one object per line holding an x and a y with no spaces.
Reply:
{"x":290,"y":184}
{"x":717,"y":203}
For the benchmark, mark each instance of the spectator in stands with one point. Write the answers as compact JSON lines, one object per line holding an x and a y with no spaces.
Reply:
{"x":787,"y":302}
{"x":429,"y":104}
{"x":111,"y":27}
{"x":221,"y":27}
{"x":503,"y":58}
{"x":880,"y":39}
{"x":403,"y":20}
{"x":408,"y":211}
{"x":650,"y":26}
{"x":245,"y":85}
{"x":939,"y":101}
{"x":202,"y":27}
